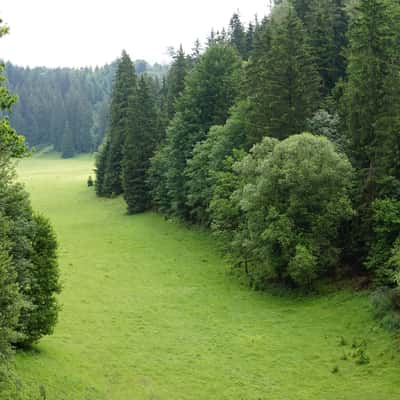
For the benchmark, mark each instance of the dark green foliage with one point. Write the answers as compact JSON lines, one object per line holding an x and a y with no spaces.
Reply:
{"x":238,"y":37}
{"x":384,"y":256}
{"x":11,"y":145}
{"x":371,"y":110}
{"x":175,"y":82}
{"x":210,"y":91}
{"x":124,"y":88}
{"x":139,"y":147}
{"x":326,"y":23}
{"x":32,"y":246}
{"x":101,"y":158}
{"x":302,"y":7}
{"x":282,"y":79}
{"x":67,"y":145}
{"x":209,"y":160}
{"x":250,"y":37}
{"x":157,"y":180}
{"x":42,"y":275}
{"x":385,"y":307}
{"x":11,"y":302}
{"x":371,"y":104}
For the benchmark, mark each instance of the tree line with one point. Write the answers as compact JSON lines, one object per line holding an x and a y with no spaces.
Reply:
{"x":282,"y":137}
{"x":65,"y":107}
{"x":29,"y":277}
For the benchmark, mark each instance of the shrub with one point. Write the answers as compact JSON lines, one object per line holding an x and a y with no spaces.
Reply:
{"x":90,"y":182}
{"x":385,"y":307}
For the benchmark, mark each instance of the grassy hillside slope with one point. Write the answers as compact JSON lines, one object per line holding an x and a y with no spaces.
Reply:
{"x":149,"y":312}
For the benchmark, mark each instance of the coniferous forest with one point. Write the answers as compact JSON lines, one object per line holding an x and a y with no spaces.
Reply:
{"x":279,"y":137}
{"x":65,"y":108}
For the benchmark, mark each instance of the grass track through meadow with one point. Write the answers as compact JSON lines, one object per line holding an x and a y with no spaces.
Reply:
{"x":149,"y":312}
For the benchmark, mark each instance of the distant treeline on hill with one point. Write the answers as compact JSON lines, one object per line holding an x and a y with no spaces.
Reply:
{"x":65,"y":107}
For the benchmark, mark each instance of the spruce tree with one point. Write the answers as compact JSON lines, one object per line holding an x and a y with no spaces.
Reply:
{"x":326,"y":23}
{"x":371,"y":110}
{"x":139,"y":147}
{"x":250,"y":36}
{"x":176,"y":80}
{"x":101,"y":159}
{"x":301,"y":7}
{"x":123,"y":90}
{"x":237,"y":35}
{"x":282,"y":79}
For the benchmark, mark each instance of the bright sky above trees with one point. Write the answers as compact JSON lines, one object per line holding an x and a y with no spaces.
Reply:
{"x":93,"y":32}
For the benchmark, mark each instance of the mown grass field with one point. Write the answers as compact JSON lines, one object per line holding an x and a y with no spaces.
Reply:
{"x":150,"y":312}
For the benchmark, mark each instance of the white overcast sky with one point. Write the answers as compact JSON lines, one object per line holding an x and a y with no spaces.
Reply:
{"x":77,"y":33}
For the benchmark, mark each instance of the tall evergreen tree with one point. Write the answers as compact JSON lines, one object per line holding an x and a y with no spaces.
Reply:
{"x":282,"y":79}
{"x":196,"y":51}
{"x":326,"y":22}
{"x":237,"y":35}
{"x":139,"y":147}
{"x":176,"y":80}
{"x":124,"y":88}
{"x":101,"y":158}
{"x":301,"y":7}
{"x":371,"y":108}
{"x":250,"y":36}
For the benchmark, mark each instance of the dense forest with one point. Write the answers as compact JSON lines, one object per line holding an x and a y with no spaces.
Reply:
{"x":282,"y":137}
{"x":66,"y":108}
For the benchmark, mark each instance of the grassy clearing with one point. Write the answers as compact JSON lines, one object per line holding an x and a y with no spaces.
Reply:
{"x":149,"y":312}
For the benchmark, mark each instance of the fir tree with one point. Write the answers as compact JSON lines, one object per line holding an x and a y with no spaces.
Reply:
{"x":139,"y":147}
{"x":196,"y":51}
{"x":250,"y":36}
{"x":176,"y":80}
{"x":371,"y":110}
{"x":124,"y":88}
{"x":100,"y":169}
{"x":282,"y":79}
{"x":237,"y":35}
{"x":326,"y":23}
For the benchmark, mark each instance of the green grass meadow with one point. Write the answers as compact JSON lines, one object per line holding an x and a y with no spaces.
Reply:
{"x":150,"y":311}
